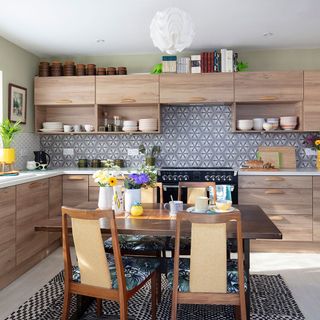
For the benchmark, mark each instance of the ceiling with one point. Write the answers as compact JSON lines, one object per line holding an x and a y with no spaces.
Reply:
{"x":72,"y":27}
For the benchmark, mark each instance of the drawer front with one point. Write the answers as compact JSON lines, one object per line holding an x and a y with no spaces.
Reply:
{"x":269,"y":86}
{"x":279,"y":201}
{"x":316,"y":208}
{"x":292,"y":182}
{"x":32,"y":206}
{"x":196,"y":88}
{"x":75,"y":189}
{"x":289,"y":209}
{"x":93,"y":193}
{"x":64,"y":90}
{"x":127,"y":89}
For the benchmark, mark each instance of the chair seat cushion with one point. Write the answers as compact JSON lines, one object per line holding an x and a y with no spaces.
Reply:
{"x":136,"y":270}
{"x":184,"y":275}
{"x":137,"y":243}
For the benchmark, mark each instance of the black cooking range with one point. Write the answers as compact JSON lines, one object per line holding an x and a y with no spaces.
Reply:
{"x":170,"y":177}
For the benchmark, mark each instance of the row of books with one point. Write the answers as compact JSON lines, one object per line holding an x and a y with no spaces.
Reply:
{"x":222,"y":60}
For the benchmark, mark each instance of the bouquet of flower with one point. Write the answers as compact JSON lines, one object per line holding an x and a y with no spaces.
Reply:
{"x":104,"y":178}
{"x":151,"y":171}
{"x":136,"y":181}
{"x":312,"y":141}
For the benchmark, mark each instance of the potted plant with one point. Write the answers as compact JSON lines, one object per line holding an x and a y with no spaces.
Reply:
{"x":106,"y":181}
{"x":313,"y":141}
{"x":133,"y":184}
{"x":8,"y":130}
{"x":150,"y":154}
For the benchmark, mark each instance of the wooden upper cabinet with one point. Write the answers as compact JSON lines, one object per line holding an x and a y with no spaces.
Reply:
{"x":311,"y":100}
{"x":196,"y":88}
{"x":64,"y":90}
{"x":127,"y":89}
{"x":269,"y":86}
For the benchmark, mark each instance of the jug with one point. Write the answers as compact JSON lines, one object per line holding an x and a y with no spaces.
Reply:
{"x":41,"y":157}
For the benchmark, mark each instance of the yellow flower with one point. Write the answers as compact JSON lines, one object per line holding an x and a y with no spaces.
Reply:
{"x":113,"y":181}
{"x":317,"y":142}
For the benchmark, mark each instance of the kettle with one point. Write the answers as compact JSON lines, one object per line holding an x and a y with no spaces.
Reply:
{"x":41,"y":157}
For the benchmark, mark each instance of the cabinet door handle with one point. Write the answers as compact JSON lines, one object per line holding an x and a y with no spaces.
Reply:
{"x":197,"y":99}
{"x":274,"y":192}
{"x":76,"y":178}
{"x":34,"y":185}
{"x":274,"y":179}
{"x":64,"y":101}
{"x":268,"y":98}
{"x":128,"y":100}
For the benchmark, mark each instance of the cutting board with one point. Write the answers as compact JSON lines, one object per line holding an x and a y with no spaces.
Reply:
{"x":287,"y":156}
{"x":271,"y":157}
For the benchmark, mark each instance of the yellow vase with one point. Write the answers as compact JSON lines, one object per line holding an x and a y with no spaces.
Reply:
{"x":318,"y":159}
{"x":7,"y":155}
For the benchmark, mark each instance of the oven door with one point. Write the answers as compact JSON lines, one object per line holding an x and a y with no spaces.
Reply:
{"x":172,"y":190}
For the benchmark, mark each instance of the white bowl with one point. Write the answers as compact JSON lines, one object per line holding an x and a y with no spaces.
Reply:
{"x":288,"y":120}
{"x":245,"y":125}
{"x":267,"y":126}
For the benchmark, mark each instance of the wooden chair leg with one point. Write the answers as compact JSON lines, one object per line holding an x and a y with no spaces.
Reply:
{"x":174,"y":305}
{"x":66,"y":304}
{"x":158,"y":276}
{"x":237,"y":312}
{"x":99,"y":307}
{"x":154,"y":281}
{"x":124,"y":310}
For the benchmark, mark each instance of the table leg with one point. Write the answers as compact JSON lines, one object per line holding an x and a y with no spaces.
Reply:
{"x":246,"y":249}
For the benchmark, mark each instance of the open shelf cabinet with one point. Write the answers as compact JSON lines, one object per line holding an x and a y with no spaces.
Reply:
{"x":271,"y":109}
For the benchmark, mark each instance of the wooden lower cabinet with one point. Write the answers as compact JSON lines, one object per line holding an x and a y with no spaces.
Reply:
{"x":316,"y":208}
{"x":290,"y":209}
{"x":55,"y":203}
{"x":32,"y":205}
{"x":7,"y":229}
{"x":75,"y":189}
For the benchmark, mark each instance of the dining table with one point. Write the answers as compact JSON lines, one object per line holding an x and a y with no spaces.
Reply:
{"x":156,"y":221}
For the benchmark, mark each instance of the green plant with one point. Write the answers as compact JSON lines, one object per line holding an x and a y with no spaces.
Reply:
{"x":8,"y":130}
{"x":155,"y":151}
{"x":157,"y":68}
{"x":242,"y":66}
{"x":152,"y":173}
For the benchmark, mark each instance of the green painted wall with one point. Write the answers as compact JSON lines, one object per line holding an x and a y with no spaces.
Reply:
{"x":19,"y":67}
{"x":259,"y":60}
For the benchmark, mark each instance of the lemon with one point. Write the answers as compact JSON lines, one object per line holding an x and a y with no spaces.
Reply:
{"x":136,"y":209}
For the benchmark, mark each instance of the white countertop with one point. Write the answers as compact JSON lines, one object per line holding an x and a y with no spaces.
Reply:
{"x":29,"y":176}
{"x":282,"y":172}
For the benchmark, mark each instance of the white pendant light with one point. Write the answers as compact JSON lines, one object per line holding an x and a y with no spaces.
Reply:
{"x":172,"y":30}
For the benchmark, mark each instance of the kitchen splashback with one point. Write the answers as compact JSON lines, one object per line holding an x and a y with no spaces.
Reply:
{"x":191,"y":136}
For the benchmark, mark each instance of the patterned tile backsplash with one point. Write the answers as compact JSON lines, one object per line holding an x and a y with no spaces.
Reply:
{"x":25,"y":144}
{"x":191,"y":136}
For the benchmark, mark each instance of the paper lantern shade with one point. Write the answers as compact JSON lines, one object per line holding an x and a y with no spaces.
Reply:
{"x":172,"y":30}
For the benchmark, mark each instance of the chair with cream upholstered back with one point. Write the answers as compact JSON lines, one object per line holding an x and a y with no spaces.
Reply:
{"x":97,"y":275}
{"x":196,"y":189}
{"x":207,"y":277}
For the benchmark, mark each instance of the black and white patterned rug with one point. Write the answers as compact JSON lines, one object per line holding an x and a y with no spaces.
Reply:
{"x":270,"y":300}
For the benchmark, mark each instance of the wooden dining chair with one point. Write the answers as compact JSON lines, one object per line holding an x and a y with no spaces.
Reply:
{"x":143,"y":245}
{"x":99,"y":276}
{"x":207,"y":277}
{"x":196,"y":189}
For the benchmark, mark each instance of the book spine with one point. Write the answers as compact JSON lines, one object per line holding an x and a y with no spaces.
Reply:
{"x":212,"y":61}
{"x":229,"y":61}
{"x":223,"y":60}
{"x":235,"y":62}
{"x":202,"y":62}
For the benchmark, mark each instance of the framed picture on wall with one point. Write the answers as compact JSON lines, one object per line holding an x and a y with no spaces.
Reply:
{"x":17,"y":103}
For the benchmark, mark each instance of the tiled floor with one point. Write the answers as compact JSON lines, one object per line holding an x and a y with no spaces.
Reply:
{"x":300,"y":271}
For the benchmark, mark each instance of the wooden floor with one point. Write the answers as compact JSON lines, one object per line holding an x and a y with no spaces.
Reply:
{"x":300,"y":271}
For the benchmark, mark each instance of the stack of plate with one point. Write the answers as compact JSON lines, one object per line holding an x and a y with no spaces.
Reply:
{"x":91,"y":69}
{"x":130,"y":126}
{"x":56,"y":69}
{"x":52,"y":127}
{"x":148,"y":124}
{"x":44,"y":69}
{"x":69,"y":68}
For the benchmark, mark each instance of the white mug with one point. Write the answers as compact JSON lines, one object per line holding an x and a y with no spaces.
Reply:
{"x":201,"y":204}
{"x":174,"y":207}
{"x":258,"y":124}
{"x":88,"y":127}
{"x":77,"y":128}
{"x":32,"y":165}
{"x":67,"y":128}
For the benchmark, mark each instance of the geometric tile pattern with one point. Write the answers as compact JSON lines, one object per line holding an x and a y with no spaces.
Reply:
{"x":25,"y":144}
{"x":190,"y":136}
